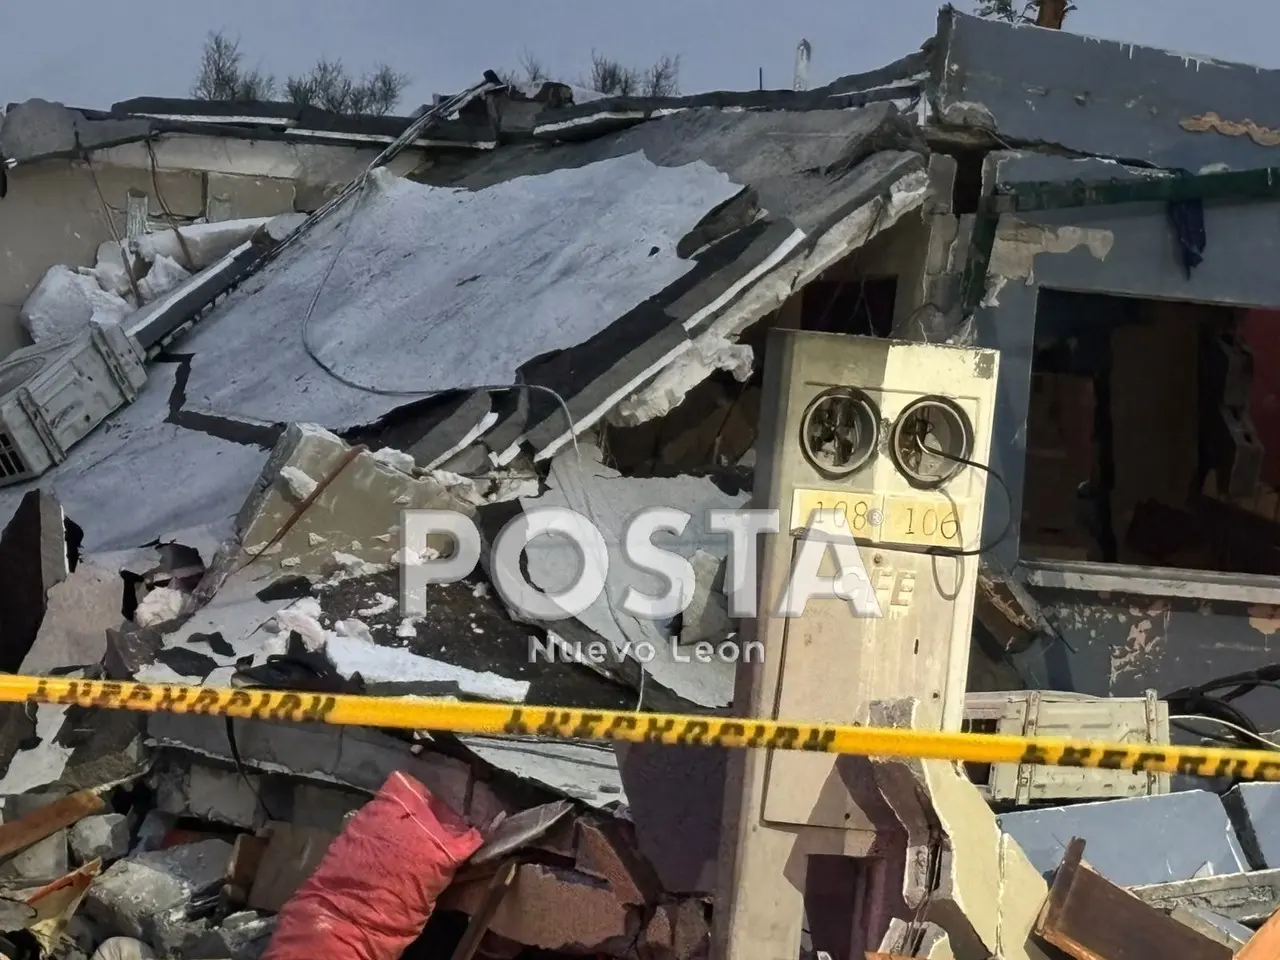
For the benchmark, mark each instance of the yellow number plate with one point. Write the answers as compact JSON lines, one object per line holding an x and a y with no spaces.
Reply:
{"x":920,"y":521}
{"x":925,"y":522}
{"x":851,"y":510}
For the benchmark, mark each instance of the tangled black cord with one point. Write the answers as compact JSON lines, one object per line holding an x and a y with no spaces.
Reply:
{"x":1205,"y":700}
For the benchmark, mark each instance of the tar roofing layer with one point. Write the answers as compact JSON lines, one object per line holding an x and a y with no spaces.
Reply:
{"x":593,"y":267}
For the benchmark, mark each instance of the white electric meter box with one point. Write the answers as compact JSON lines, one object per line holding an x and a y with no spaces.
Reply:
{"x":885,"y":444}
{"x":52,"y":395}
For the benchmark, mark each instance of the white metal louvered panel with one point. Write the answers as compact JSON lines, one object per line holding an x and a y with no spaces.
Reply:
{"x":1062,"y":714}
{"x":54,"y":395}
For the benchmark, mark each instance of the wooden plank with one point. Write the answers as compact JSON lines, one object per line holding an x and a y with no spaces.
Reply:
{"x":291,"y":856}
{"x":1244,"y":897}
{"x":499,"y":884}
{"x":1265,"y":944}
{"x":1089,"y":918}
{"x":48,"y":820}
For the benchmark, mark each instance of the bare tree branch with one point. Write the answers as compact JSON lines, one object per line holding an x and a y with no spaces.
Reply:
{"x":1015,"y":11}
{"x":222,"y":76}
{"x":662,"y":79}
{"x":611,"y":78}
{"x":534,"y":72}
{"x":530,"y":70}
{"x":328,"y":84}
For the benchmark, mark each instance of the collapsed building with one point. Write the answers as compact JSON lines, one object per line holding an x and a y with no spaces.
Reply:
{"x":209,"y":445}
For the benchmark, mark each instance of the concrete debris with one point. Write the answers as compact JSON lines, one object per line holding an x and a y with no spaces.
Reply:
{"x":36,"y":550}
{"x":148,"y":896}
{"x":161,"y":605}
{"x":106,"y":837}
{"x":65,"y":302}
{"x":123,"y":948}
{"x":555,"y":300}
{"x":72,"y":632}
{"x":352,"y":499}
{"x":46,"y":859}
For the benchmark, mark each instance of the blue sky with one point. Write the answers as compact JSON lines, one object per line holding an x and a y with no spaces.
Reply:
{"x":92,"y":54}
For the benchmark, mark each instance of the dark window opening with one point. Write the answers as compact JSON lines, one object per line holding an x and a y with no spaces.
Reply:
{"x":1140,"y":439}
{"x":966,"y":192}
{"x":11,"y":464}
{"x":863,"y":306}
{"x":979,"y":773}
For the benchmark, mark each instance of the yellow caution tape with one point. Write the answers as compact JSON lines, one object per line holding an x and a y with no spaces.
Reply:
{"x":417,"y":713}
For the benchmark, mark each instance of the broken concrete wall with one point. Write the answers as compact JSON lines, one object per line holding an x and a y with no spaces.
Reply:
{"x":53,"y":215}
{"x":1103,"y":97}
{"x":962,"y":871}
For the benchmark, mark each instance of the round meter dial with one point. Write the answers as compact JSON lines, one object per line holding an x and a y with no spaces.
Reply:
{"x":930,"y":441}
{"x":839,"y":431}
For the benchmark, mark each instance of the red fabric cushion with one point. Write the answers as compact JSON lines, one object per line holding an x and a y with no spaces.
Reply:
{"x":374,"y":890}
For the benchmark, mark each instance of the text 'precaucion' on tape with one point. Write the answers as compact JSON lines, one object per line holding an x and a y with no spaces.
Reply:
{"x":415,"y":713}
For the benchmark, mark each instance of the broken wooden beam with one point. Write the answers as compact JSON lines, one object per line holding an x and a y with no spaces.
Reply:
{"x":1090,"y":918}
{"x":1244,"y":897}
{"x":48,"y":820}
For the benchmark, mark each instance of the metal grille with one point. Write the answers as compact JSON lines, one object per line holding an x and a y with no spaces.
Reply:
{"x":11,"y":464}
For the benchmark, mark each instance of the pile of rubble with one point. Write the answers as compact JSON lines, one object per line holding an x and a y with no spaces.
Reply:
{"x":570,"y":316}
{"x":190,"y":835}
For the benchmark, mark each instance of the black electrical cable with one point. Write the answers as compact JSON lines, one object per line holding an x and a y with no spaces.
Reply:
{"x":1204,"y":700}
{"x":1005,"y":531}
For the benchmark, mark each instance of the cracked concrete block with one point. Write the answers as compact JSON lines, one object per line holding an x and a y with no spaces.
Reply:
{"x":324,"y":807}
{"x":988,"y":894}
{"x":676,"y":931}
{"x":942,"y":183}
{"x":129,"y":648}
{"x":1254,"y":809}
{"x":146,"y":895}
{"x":680,"y":840}
{"x":106,"y":748}
{"x":453,"y":429}
{"x":215,"y":794}
{"x":706,"y":618}
{"x":104,"y":837}
{"x":351,"y":756}
{"x":1136,"y":840}
{"x":36,"y":128}
{"x":934,"y":942}
{"x":1248,"y":898}
{"x":362,"y":499}
{"x":1217,"y":928}
{"x":241,"y":936}
{"x":78,"y":611}
{"x":249,"y":197}
{"x":152,"y":831}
